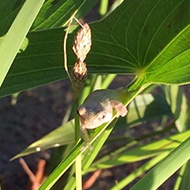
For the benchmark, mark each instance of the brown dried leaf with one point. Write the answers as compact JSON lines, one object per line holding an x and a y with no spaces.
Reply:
{"x":82,"y":43}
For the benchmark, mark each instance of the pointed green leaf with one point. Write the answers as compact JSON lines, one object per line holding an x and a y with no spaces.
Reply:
{"x":141,"y":152}
{"x":162,"y":171}
{"x":60,"y":136}
{"x":172,"y":65}
{"x":140,"y":171}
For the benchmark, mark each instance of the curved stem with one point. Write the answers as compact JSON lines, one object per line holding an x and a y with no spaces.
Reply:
{"x":65,"y":46}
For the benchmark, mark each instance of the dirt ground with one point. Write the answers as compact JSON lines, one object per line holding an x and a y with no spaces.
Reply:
{"x":36,"y":113}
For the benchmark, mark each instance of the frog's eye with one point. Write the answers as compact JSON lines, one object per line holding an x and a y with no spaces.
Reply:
{"x":81,"y":111}
{"x":102,"y":116}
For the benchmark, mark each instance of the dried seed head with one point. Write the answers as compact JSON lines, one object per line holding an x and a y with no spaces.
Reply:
{"x":79,"y":72}
{"x":82,"y":43}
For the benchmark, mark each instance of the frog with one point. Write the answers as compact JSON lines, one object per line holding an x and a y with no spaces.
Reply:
{"x":98,"y":108}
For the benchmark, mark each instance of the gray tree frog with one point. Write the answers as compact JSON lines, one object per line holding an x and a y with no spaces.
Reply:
{"x":98,"y":109}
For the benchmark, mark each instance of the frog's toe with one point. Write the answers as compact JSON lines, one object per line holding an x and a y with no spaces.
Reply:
{"x":124,"y":112}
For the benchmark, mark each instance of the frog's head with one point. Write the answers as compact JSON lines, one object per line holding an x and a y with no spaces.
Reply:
{"x":91,"y":119}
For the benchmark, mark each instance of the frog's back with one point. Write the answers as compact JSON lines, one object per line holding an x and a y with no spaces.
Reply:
{"x":101,"y":95}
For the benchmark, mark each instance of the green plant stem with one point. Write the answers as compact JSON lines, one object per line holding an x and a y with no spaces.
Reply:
{"x":180,"y":176}
{"x":103,"y":7}
{"x":77,"y":124}
{"x":109,"y":78}
{"x":78,"y":159}
{"x":65,"y":47}
{"x":78,"y":172}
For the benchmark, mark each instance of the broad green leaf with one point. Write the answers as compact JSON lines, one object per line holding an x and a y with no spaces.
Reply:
{"x":60,"y":136}
{"x":136,"y":38}
{"x":44,"y":67}
{"x":141,"y":152}
{"x":131,"y":40}
{"x":172,"y":64}
{"x":179,"y":106}
{"x":162,"y":171}
{"x":53,"y":13}
{"x":15,"y":36}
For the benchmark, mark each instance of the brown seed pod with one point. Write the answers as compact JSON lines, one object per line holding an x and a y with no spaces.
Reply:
{"x":82,"y":43}
{"x":79,"y":72}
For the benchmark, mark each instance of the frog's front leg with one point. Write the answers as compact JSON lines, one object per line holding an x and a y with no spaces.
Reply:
{"x":85,"y":137}
{"x":119,"y":107}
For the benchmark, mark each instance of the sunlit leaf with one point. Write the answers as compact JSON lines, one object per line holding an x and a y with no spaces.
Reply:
{"x":179,"y":106}
{"x":141,"y":152}
{"x":140,"y":171}
{"x":162,"y":171}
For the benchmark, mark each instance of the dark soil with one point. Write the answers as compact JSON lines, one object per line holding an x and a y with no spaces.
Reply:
{"x":36,"y":113}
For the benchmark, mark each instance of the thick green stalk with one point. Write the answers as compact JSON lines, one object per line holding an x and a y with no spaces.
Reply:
{"x":78,"y":160}
{"x":103,"y":7}
{"x":78,"y":173}
{"x":180,"y":176}
{"x":77,"y":124}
